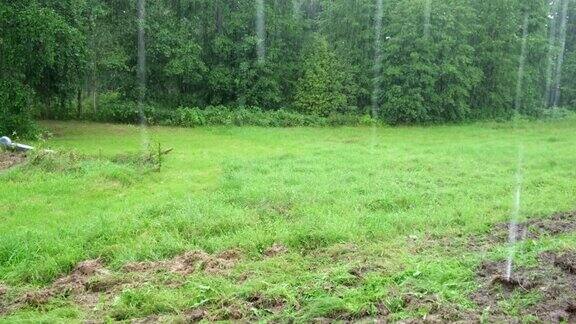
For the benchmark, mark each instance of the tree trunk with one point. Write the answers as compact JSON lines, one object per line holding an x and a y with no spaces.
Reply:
{"x":94,"y":92}
{"x":62,"y":107}
{"x":48,"y":108}
{"x":79,"y":103}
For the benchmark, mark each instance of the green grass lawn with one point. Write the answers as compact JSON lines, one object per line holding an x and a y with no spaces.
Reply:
{"x":370,"y":221}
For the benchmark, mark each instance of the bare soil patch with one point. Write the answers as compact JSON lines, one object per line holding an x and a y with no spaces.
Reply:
{"x":559,"y":223}
{"x":273,"y":305}
{"x":90,"y":280}
{"x":190,"y":262}
{"x":553,"y":278}
{"x":10,"y":159}
{"x":275,"y":250}
{"x":3,"y":290}
{"x":73,"y":284}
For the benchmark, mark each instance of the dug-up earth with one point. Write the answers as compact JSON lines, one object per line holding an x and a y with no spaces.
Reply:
{"x":533,"y":229}
{"x":10,"y":159}
{"x":553,"y":279}
{"x":91,"y":280}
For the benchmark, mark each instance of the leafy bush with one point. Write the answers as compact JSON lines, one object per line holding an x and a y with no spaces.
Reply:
{"x":15,"y":117}
{"x":117,"y":111}
{"x":558,"y":113}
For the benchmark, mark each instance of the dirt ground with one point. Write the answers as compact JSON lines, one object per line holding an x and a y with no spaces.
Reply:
{"x":90,"y":280}
{"x":189,"y":262}
{"x":553,"y":279}
{"x":10,"y":159}
{"x":535,"y":228}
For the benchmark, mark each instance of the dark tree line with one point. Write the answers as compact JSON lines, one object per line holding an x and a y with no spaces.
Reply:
{"x":437,"y":61}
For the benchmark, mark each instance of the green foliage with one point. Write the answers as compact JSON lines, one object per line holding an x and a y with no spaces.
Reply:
{"x":428,"y":78}
{"x":568,"y":94}
{"x":320,"y":57}
{"x":496,"y":42}
{"x":42,"y":56}
{"x":321,"y":89}
{"x":115,"y":111}
{"x":569,"y":86}
{"x":15,"y":115}
{"x":349,"y":28}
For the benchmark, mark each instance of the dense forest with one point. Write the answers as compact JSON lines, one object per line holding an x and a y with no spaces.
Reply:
{"x":399,"y":61}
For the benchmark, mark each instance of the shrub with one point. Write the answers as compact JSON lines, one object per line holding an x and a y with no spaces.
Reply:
{"x":322,"y":88}
{"x":15,"y":115}
{"x":114,"y":110}
{"x":189,"y":117}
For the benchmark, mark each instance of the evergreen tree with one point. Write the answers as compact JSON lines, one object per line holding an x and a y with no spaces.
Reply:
{"x":321,"y":89}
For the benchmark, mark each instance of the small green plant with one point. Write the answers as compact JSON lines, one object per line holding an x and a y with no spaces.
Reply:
{"x":151,"y":159}
{"x":63,"y":161}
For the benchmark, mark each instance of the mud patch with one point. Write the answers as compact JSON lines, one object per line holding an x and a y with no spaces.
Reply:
{"x":90,"y":281}
{"x":565,"y":261}
{"x":553,"y":279}
{"x":3,"y":290}
{"x":361,"y":271}
{"x":559,"y":223}
{"x":195,"y":315}
{"x":10,"y":159}
{"x":275,"y":250}
{"x":190,"y":262}
{"x":272,"y":305}
{"x":72,"y":284}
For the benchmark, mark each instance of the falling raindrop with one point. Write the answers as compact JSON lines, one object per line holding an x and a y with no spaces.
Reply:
{"x":562,"y":48}
{"x":377,"y":57}
{"x":513,"y":227}
{"x":427,"y":12}
{"x":141,"y":71}
{"x":260,"y":31}
{"x":551,"y":50}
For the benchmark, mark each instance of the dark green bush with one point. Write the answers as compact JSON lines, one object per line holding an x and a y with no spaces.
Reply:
{"x":15,"y":117}
{"x":115,"y":111}
{"x":322,"y":88}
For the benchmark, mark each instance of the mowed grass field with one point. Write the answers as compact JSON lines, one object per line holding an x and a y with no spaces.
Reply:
{"x":288,"y":224}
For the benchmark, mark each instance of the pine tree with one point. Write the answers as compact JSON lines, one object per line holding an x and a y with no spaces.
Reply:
{"x":321,"y":89}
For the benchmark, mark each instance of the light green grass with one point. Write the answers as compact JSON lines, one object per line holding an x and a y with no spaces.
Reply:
{"x":389,"y":199}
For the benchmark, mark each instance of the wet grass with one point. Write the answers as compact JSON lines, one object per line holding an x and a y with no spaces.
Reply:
{"x":373,"y":223}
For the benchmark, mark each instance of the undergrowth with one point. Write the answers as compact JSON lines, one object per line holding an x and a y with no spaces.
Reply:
{"x":74,"y":161}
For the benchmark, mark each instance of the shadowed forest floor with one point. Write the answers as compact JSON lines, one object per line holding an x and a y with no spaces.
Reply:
{"x":402,"y":224}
